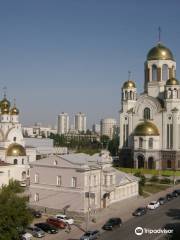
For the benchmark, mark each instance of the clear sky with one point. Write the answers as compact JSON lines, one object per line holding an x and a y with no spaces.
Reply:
{"x":74,"y":55}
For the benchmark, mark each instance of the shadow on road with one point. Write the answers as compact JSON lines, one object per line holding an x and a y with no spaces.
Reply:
{"x":176,"y":231}
{"x":174,"y":213}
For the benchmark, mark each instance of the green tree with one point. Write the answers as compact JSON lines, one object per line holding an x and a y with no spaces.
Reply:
{"x":113,"y":146}
{"x":104,"y":141}
{"x":14,"y":214}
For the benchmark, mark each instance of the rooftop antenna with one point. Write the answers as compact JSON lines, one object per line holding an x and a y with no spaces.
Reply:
{"x":159,"y":34}
{"x":5,"y":91}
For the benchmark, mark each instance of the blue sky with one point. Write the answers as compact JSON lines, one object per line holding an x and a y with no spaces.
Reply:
{"x":74,"y":55}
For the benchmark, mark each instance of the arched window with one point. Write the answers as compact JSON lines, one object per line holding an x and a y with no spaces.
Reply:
{"x":147,"y":114}
{"x":140,"y":142}
{"x":165,"y":75}
{"x":168,"y":163}
{"x":14,"y":139}
{"x":150,"y":143}
{"x":22,"y":161}
{"x":15,"y":161}
{"x":154,"y":73}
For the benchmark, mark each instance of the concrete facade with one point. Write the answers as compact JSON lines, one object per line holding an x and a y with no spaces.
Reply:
{"x":80,"y":181}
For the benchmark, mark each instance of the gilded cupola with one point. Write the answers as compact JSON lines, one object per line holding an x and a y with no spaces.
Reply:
{"x":160,"y":52}
{"x":146,"y":128}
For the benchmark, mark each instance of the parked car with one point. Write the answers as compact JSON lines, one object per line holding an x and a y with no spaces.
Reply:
{"x":56,"y":222}
{"x":47,"y":228}
{"x":175,"y":193}
{"x":91,"y":235}
{"x":35,"y":213}
{"x":26,"y":236}
{"x":153,"y":205}
{"x":169,"y":196}
{"x":140,"y":211}
{"x":162,"y":200}
{"x":35,"y":231}
{"x":111,"y":223}
{"x":23,"y":184}
{"x":178,"y":191}
{"x":65,"y":219}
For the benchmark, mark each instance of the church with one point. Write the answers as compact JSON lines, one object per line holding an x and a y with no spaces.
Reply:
{"x":14,"y":155}
{"x":150,"y":121}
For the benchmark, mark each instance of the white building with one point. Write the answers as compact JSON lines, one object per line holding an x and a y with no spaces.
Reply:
{"x":80,"y":122}
{"x":79,"y":181}
{"x":63,"y":123}
{"x":13,"y":153}
{"x":150,"y":122}
{"x":96,"y":128}
{"x":38,"y":131}
{"x":108,"y":127}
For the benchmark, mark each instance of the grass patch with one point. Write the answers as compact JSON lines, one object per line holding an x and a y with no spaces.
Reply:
{"x":166,"y":173}
{"x":154,"y":188}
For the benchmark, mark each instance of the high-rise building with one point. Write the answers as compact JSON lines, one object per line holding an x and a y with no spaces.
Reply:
{"x":108,"y":127}
{"x":63,"y":123}
{"x":80,"y":122}
{"x":96,"y":128}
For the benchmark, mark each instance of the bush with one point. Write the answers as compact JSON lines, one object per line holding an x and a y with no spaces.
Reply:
{"x":142,"y":181}
{"x":154,"y":179}
{"x":165,"y":181}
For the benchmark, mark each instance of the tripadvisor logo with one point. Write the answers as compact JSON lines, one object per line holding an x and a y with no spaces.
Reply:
{"x":139,"y":231}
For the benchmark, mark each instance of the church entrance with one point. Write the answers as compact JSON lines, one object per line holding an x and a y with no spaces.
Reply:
{"x":141,"y":161}
{"x":151,"y":163}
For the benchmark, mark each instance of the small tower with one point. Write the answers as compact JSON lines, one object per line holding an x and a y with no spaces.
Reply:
{"x":5,"y":109}
{"x":14,"y":112}
{"x":129,"y":95}
{"x":172,"y":93}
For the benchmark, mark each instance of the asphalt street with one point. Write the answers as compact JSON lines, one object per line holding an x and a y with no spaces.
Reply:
{"x":166,"y":215}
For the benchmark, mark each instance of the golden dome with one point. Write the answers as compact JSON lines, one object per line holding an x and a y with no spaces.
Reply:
{"x":129,"y":84}
{"x":160,"y":52}
{"x":5,"y":103}
{"x":16,"y":150}
{"x":5,"y":110}
{"x":146,"y":129}
{"x":14,"y":111}
{"x":172,"y":81}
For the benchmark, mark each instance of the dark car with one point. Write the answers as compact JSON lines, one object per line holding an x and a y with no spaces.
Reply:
{"x":47,"y":228}
{"x":35,"y":231}
{"x":169,"y":196}
{"x":90,"y":235}
{"x":175,"y":193}
{"x":111,"y":223}
{"x":35,"y":213}
{"x":162,"y":200}
{"x":140,"y":211}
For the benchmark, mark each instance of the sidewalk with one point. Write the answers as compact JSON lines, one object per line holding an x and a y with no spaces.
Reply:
{"x":122,"y":209}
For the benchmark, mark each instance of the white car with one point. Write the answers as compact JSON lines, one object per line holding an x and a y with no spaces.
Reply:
{"x":23,"y":184}
{"x":153,"y":205}
{"x":27,"y":236}
{"x":65,"y":219}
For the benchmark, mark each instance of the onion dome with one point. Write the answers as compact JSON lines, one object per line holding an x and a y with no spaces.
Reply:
{"x":14,"y":111}
{"x":146,"y":129}
{"x":129,"y":84}
{"x":5,"y":110}
{"x":5,"y":103}
{"x":16,"y":150}
{"x":172,"y":81}
{"x":160,"y":52}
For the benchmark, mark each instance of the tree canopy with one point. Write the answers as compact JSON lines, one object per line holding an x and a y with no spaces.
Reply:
{"x":14,"y":214}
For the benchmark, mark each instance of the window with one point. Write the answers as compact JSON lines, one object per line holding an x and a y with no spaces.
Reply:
{"x":58,"y":181}
{"x":15,"y":161}
{"x":154,"y":73}
{"x":168,"y":163}
{"x":165,"y":72}
{"x":74,"y":182}
{"x":22,"y":161}
{"x":36,"y":178}
{"x":95,"y":183}
{"x":147,"y":113}
{"x":111,"y":179}
{"x":105,"y":180}
{"x":150,"y":143}
{"x":140,"y":142}
{"x":36,"y":197}
{"x":14,"y":139}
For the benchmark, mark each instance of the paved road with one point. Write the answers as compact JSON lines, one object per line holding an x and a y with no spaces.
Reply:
{"x":154,"y":219}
